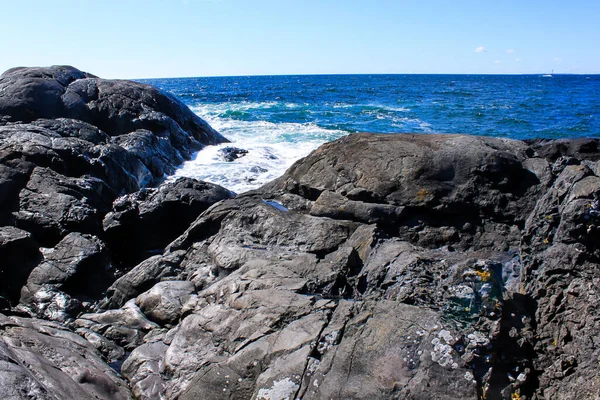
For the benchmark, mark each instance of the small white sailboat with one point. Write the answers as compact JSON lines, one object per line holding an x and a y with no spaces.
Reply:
{"x":550,"y":75}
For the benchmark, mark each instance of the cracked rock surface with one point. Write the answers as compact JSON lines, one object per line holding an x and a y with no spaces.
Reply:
{"x":378,"y":267}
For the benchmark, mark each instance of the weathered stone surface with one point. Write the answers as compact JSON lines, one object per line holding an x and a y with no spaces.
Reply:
{"x":19,"y":254}
{"x":380,"y":266}
{"x":440,"y":189}
{"x":76,"y":271}
{"x":561,"y":259}
{"x":44,"y":360}
{"x":52,"y":205}
{"x":125,"y":327}
{"x":116,"y":107}
{"x":145,"y":222}
{"x":142,"y":277}
{"x":71,"y":143}
{"x":163,"y":303}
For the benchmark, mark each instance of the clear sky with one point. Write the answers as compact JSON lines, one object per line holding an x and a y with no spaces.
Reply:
{"x":181,"y":38}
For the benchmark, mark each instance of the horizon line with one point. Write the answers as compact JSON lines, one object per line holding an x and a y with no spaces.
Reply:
{"x":368,"y":74}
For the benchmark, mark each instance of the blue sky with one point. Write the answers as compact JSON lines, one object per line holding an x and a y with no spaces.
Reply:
{"x":178,"y":38}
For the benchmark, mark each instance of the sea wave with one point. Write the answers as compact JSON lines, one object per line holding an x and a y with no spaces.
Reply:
{"x":272,"y":148}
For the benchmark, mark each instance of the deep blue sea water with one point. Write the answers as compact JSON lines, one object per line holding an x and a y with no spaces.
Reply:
{"x":282,"y":118}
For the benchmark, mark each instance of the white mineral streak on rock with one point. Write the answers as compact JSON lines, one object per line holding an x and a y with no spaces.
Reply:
{"x":281,"y":390}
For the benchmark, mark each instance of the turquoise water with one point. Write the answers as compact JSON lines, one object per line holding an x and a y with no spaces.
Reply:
{"x":282,"y":118}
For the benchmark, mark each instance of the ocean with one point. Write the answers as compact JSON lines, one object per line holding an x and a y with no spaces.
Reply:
{"x":279,"y":119}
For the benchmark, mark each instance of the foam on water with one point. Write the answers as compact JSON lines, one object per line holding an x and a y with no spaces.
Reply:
{"x":279,"y":119}
{"x":272,"y":147}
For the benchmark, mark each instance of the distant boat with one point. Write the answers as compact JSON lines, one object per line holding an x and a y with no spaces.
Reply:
{"x":550,"y":75}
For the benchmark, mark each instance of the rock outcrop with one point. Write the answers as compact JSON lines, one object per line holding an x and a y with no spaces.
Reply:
{"x":70,"y":145}
{"x":380,"y":266}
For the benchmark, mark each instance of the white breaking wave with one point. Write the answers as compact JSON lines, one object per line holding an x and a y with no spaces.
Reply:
{"x":272,"y":147}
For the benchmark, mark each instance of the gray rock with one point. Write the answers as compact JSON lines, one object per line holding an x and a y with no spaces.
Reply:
{"x":163,"y":303}
{"x":143,"y":369}
{"x":126,"y":327}
{"x":142,"y":277}
{"x":42,"y":360}
{"x":560,"y":272}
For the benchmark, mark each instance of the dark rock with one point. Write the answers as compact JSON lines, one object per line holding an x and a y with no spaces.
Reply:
{"x":51,"y":205}
{"x":230,"y":154}
{"x":115,"y":107}
{"x":583,"y":149}
{"x":334,"y":205}
{"x":380,"y":266}
{"x":19,"y":254}
{"x":73,"y":128}
{"x":560,"y":273}
{"x":70,"y":143}
{"x":146,"y":221}
{"x":75,"y":271}
{"x":427,"y":188}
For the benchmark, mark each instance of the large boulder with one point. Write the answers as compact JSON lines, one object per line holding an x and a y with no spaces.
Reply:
{"x":70,"y":145}
{"x":117,"y":107}
{"x":440,"y":189}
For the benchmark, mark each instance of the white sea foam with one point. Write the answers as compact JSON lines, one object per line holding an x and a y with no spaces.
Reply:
{"x":272,"y":147}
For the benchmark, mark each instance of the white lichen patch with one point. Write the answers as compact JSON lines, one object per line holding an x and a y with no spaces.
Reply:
{"x":477,"y":339}
{"x":442,"y":349}
{"x":460,"y":292}
{"x":283,"y":389}
{"x":447,"y":336}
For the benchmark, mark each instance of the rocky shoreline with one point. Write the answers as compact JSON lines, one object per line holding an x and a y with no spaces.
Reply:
{"x":380,"y":266}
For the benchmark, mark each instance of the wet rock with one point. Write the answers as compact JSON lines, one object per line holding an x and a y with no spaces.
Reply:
{"x":230,"y":154}
{"x":126,"y":326}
